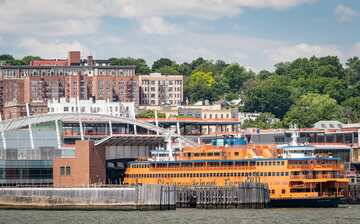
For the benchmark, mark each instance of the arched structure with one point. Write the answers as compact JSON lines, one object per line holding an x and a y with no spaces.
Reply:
{"x":13,"y":124}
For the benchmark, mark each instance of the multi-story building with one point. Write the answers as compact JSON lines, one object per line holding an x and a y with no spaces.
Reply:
{"x":46,"y":79}
{"x":157,"y":89}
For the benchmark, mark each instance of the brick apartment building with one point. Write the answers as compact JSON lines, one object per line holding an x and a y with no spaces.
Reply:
{"x":74,"y":77}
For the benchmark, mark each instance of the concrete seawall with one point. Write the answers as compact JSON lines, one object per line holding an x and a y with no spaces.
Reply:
{"x":145,"y":197}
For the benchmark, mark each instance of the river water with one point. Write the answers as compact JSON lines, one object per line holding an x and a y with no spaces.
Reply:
{"x":345,"y":214}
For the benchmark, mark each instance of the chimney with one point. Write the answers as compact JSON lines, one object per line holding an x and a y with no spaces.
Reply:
{"x":74,"y":58}
{"x":90,"y":60}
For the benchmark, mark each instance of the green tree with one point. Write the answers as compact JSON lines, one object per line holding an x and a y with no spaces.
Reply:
{"x":141,"y":66}
{"x":7,"y":59}
{"x":263,"y":121}
{"x":270,"y":95}
{"x":352,"y":109}
{"x":162,"y":62}
{"x":27,"y":59}
{"x":195,"y":63}
{"x":150,"y":114}
{"x":185,"y":69}
{"x":311,"y":108}
{"x":352,"y":72}
{"x":168,"y":70}
{"x":199,"y":86}
{"x":235,"y":76}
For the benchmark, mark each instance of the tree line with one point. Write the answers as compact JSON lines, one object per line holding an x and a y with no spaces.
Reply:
{"x":302,"y":91}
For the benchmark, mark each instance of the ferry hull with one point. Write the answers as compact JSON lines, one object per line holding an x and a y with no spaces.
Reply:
{"x":305,"y":203}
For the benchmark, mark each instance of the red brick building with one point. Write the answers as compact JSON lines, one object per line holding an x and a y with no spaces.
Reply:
{"x":88,"y":167}
{"x":53,"y":79}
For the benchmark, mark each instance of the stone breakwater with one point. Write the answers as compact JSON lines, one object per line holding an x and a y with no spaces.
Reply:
{"x":145,"y":197}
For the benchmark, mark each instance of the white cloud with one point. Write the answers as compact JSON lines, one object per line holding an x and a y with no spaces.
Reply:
{"x":344,"y":13}
{"x":56,"y":49}
{"x":83,"y":16}
{"x":291,"y":52}
{"x":156,"y":25}
{"x":355,"y":50}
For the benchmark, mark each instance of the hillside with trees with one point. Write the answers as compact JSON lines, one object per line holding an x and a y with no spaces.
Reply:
{"x":302,"y":91}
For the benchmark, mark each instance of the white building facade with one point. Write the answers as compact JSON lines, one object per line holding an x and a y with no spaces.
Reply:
{"x":72,"y":105}
{"x":157,"y":89}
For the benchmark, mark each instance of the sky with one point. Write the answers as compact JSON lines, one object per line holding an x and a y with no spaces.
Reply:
{"x":253,"y":33}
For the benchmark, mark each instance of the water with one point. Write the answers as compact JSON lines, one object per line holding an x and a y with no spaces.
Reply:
{"x":346,"y":214}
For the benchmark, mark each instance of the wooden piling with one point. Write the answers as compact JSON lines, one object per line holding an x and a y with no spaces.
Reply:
{"x":244,"y":195}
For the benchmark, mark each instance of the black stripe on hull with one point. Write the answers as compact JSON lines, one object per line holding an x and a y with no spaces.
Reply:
{"x":305,"y":203}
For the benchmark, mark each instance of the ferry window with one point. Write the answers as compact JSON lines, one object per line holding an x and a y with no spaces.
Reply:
{"x":213,"y":164}
{"x":258,"y":163}
{"x":277,"y":174}
{"x":265,"y":163}
{"x":196,"y":154}
{"x":272,"y":191}
{"x":261,"y":163}
{"x":199,"y":164}
{"x":269,"y":174}
{"x":282,"y":174}
{"x":282,"y":163}
{"x":265,"y":174}
{"x":286,"y":173}
{"x":283,"y":191}
{"x":278,"y":163}
{"x":203,"y":154}
{"x":273,"y":174}
{"x":274,"y":163}
{"x":210,"y":154}
{"x":236,"y":153}
{"x":216,"y":153}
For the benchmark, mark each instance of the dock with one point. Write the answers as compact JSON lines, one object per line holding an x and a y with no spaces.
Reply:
{"x":144,"y":197}
{"x":244,"y":195}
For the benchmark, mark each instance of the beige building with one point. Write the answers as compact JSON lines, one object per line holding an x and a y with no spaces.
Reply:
{"x":208,"y":112}
{"x":157,"y":89}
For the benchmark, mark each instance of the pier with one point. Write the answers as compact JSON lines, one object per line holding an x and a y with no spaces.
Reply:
{"x":244,"y":195}
{"x":354,"y":193}
{"x":145,"y":197}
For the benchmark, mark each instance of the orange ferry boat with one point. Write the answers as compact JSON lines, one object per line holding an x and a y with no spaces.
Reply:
{"x":301,"y":182}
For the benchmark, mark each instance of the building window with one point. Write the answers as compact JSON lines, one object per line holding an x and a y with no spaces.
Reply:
{"x":62,"y":171}
{"x":68,"y":171}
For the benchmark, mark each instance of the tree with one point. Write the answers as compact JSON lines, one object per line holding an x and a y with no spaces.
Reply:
{"x":195,"y":63}
{"x":168,"y":70}
{"x":162,"y":62}
{"x":270,"y":95}
{"x":141,"y":66}
{"x":352,"y":109}
{"x":264,"y":121}
{"x":7,"y":59}
{"x":311,"y":108}
{"x":199,"y":86}
{"x":150,"y":114}
{"x":185,"y":69}
{"x":27,"y":59}
{"x":352,"y":72}
{"x":235,"y":76}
